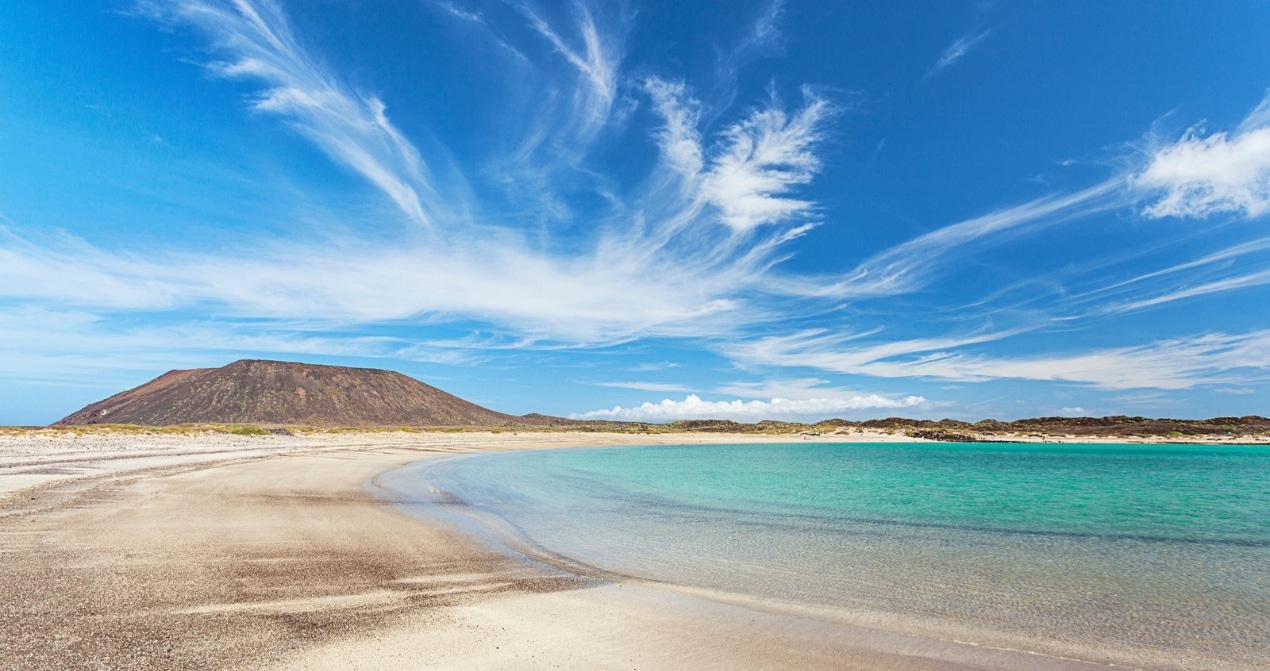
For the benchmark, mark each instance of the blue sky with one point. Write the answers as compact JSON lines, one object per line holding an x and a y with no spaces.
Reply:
{"x":645,"y":210}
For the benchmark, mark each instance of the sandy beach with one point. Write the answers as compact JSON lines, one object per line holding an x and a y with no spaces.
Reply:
{"x":219,"y":551}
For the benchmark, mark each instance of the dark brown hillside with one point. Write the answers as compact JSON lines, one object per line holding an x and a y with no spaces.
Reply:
{"x":276,"y":392}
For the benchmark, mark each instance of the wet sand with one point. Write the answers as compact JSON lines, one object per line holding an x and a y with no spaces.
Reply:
{"x":274,"y":553}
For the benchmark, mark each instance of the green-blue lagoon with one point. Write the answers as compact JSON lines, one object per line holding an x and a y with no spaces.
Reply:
{"x":1152,"y":555}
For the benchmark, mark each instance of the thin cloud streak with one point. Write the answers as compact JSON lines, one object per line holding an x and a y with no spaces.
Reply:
{"x":913,"y":265}
{"x":61,"y":344}
{"x":957,"y":50}
{"x":1228,"y":284}
{"x":797,"y":389}
{"x":766,"y":30}
{"x":1224,"y":255}
{"x":597,"y":62}
{"x":530,"y":293}
{"x":351,"y":128}
{"x":460,"y":13}
{"x":1180,"y":363}
{"x":647,"y":386}
{"x":763,"y":38}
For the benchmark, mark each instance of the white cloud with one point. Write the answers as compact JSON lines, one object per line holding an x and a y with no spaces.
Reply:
{"x":567,"y":299}
{"x":351,"y":128}
{"x":1219,"y":257}
{"x":762,"y":39}
{"x":912,"y":265}
{"x":1200,"y":176}
{"x":64,"y":344}
{"x":658,"y":366}
{"x":669,"y":263}
{"x":744,"y":180}
{"x":1180,"y":363}
{"x":747,"y":177}
{"x":692,"y":407}
{"x":801,"y":389}
{"x":1238,"y":282}
{"x":461,"y":13}
{"x":1227,"y":269}
{"x":663,"y":266}
{"x":839,"y":353}
{"x":679,"y":139}
{"x":763,"y":158}
{"x":766,"y":30}
{"x":646,"y":386}
{"x":596,"y":61}
{"x":958,"y":49}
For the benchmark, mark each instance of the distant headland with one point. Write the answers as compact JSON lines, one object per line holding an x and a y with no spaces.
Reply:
{"x":279,"y":394}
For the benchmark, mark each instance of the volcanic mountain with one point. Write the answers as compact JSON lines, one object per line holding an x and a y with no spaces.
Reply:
{"x":276,"y":392}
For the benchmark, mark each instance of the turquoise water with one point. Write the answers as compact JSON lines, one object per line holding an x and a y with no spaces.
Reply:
{"x":1138,"y":554}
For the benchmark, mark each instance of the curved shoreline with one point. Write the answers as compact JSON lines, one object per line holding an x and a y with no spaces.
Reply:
{"x":870,"y":627}
{"x":267,"y":554}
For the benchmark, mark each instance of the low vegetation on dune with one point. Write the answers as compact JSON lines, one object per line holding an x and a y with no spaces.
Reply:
{"x":945,"y":430}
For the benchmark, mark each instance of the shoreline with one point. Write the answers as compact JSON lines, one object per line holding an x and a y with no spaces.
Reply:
{"x":152,"y":552}
{"x":36,"y":456}
{"x":570,"y":553}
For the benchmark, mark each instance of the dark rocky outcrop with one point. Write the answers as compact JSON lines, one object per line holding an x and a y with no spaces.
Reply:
{"x":943,"y":435}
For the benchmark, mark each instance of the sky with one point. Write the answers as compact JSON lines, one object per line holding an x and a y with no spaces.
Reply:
{"x":645,"y":210}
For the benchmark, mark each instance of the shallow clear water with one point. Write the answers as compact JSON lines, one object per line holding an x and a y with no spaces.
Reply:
{"x":1154,"y":552}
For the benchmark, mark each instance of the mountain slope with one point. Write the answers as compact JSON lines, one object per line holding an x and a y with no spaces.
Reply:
{"x":276,"y":392}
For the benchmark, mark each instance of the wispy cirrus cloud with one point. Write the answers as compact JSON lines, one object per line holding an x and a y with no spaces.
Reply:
{"x":596,"y":61}
{"x":680,"y":137}
{"x":958,"y":50}
{"x":1231,"y":268}
{"x":687,"y":250}
{"x":578,"y":39}
{"x":795,"y":388}
{"x":693,"y":407}
{"x":764,"y":158}
{"x":256,"y":39}
{"x":647,"y":386}
{"x":461,"y":13}
{"x":659,"y":266}
{"x":911,"y":266}
{"x":763,"y":38}
{"x":573,"y":300}
{"x":1197,"y":176}
{"x":1178,"y":363}
{"x":1222,"y":256}
{"x":1217,"y":286}
{"x":758,"y":162}
{"x":765,"y":32}
{"x":63,"y":344}
{"x":855,"y":353}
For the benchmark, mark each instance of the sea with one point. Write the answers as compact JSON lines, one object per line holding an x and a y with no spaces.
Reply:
{"x":1142,"y":555}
